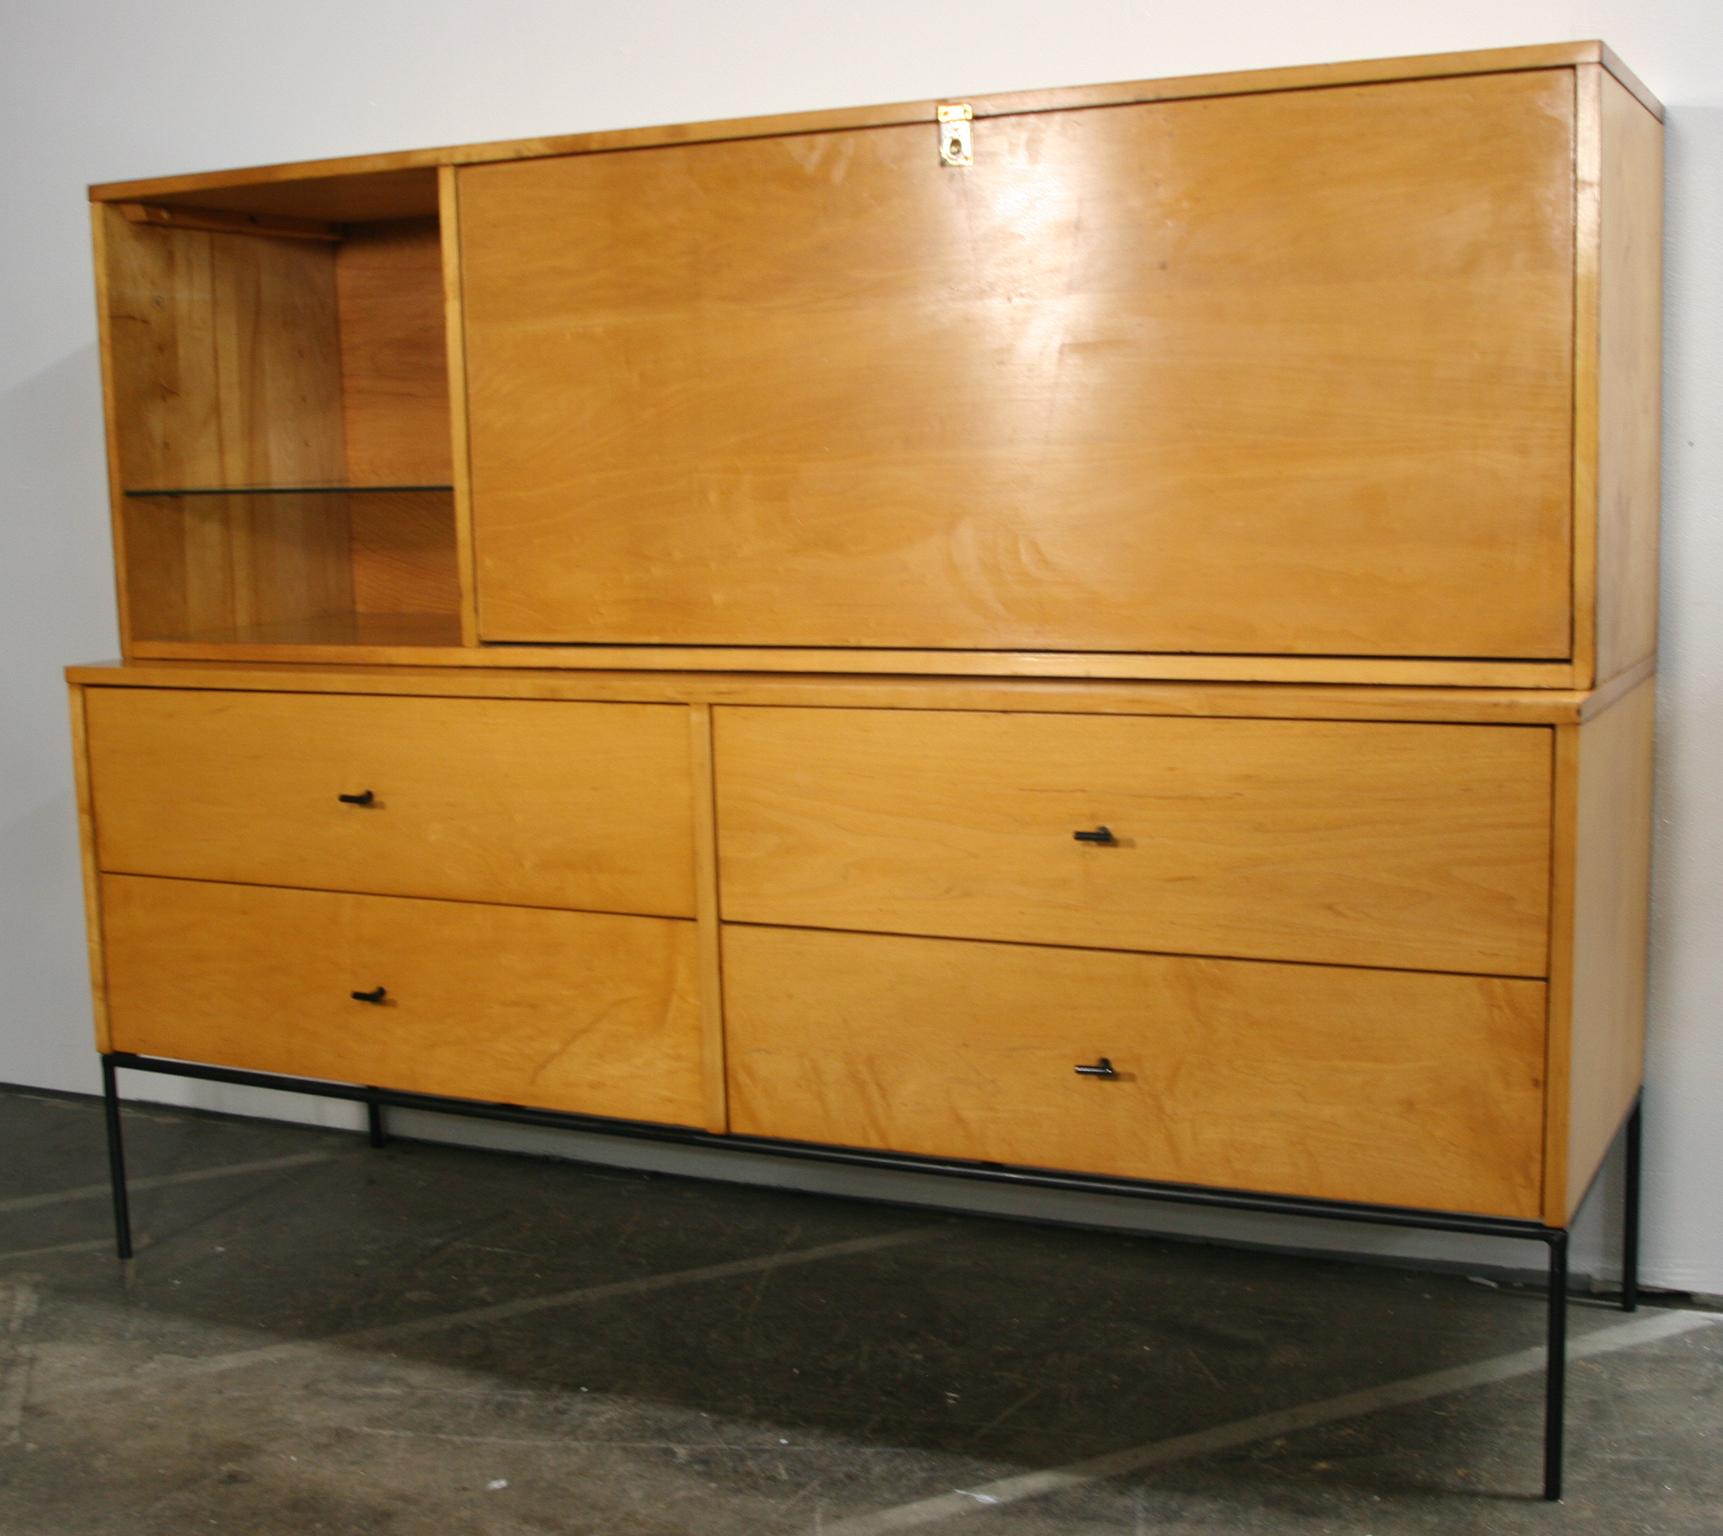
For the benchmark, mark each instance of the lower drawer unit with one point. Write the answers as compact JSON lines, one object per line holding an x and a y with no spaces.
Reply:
{"x":567,"y":1010}
{"x":1378,"y":970}
{"x":1389,"y":1087}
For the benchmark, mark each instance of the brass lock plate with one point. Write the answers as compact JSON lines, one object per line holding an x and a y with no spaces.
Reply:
{"x":954,"y":142}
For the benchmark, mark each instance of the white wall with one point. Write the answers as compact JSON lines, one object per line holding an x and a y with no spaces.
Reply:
{"x":105,"y":91}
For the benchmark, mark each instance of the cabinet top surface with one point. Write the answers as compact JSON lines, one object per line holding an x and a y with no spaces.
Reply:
{"x":208,"y":188}
{"x":1479,"y":706}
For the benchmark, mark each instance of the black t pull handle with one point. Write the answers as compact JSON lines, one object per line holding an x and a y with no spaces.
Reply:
{"x":375,"y":995}
{"x":1102,"y":1068}
{"x":1099,"y":835}
{"x":364,"y":797}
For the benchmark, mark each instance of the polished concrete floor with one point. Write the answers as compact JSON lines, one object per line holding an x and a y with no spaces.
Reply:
{"x":425,"y":1341}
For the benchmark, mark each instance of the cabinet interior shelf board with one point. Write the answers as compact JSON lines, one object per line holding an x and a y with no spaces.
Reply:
{"x":144,"y":493}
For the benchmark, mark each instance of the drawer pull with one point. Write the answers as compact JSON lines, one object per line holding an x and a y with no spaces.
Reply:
{"x":376,"y":995}
{"x":1099,"y":835}
{"x":364,"y":797}
{"x":1102,"y":1068}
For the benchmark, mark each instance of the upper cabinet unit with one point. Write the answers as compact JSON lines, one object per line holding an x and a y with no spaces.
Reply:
{"x":1344,"y":374}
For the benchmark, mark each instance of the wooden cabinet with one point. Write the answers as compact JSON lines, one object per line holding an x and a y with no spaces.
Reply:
{"x":518,"y":543}
{"x":566,"y":1010}
{"x":758,"y":628}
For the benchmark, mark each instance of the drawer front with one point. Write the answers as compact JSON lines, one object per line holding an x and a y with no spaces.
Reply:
{"x":575,"y":1011}
{"x":1269,"y":374}
{"x":1424,"y":846}
{"x":1383,"y":1086}
{"x":542,"y":804}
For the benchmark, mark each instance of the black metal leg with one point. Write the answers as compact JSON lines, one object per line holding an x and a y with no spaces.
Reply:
{"x":1555,"y":1370}
{"x":1630,"y":1219}
{"x":116,"y":1161}
{"x":374,"y":1120}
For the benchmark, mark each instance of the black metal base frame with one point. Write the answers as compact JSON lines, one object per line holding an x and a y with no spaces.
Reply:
{"x":375,"y":1100}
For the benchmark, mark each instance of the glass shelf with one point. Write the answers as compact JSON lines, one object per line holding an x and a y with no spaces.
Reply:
{"x":281,"y":490}
{"x":344,"y":630}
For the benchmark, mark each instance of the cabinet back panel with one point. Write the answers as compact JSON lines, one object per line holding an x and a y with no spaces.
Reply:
{"x":1629,"y":374}
{"x":394,"y":355}
{"x":1286,"y":373}
{"x":404,"y":558}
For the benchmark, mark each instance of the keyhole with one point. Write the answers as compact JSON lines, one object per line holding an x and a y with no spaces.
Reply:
{"x":956,"y":148}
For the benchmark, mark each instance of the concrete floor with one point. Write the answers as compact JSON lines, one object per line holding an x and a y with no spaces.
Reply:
{"x":425,"y":1341}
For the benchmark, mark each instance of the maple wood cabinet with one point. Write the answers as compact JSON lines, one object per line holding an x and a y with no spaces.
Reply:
{"x":1100,"y":635}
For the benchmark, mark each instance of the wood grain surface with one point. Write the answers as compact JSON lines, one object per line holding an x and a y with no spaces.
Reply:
{"x":394,"y":355}
{"x":1229,"y":700}
{"x":561,"y":1010}
{"x":1283,"y":374}
{"x":554,"y":805}
{"x":1602,"y":883}
{"x":1628,"y":379}
{"x":308,"y":643}
{"x":92,"y":888}
{"x":1394,"y":1087}
{"x":404,"y":557}
{"x":1420,"y":846}
{"x":225,"y":357}
{"x":397,"y":183}
{"x":231,"y":565}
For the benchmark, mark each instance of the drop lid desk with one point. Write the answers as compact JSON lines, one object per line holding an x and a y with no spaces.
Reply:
{"x":1097,"y":638}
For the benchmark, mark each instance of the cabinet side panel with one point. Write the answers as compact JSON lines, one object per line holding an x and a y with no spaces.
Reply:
{"x":87,"y":858}
{"x":226,"y":357}
{"x":1611,"y":864}
{"x":1629,"y":378}
{"x":156,"y":307}
{"x":455,"y":336}
{"x":101,"y":223}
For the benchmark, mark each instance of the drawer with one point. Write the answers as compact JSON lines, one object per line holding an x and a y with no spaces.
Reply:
{"x":500,"y":800}
{"x":1393,"y":1087}
{"x":1422,"y":846}
{"x":590,"y":1013}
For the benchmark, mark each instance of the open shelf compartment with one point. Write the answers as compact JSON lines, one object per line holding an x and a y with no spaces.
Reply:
{"x":281,"y":434}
